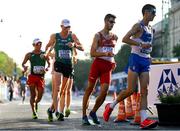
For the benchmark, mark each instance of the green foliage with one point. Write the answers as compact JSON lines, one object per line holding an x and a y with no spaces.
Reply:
{"x":170,"y":99}
{"x":176,"y":51}
{"x":81,"y":73}
{"x":6,"y":64}
{"x":122,"y":58}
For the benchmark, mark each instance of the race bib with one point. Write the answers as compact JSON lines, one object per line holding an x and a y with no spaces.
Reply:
{"x":146,"y":51}
{"x":38,"y":69}
{"x":107,"y":49}
{"x":65,"y":54}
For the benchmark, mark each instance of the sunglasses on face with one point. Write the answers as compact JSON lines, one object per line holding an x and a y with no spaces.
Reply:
{"x":37,"y":44}
{"x":67,"y":27}
{"x":153,"y":11}
{"x":111,"y":21}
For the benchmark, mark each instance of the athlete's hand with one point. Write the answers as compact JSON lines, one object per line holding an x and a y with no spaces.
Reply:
{"x":146,"y":45}
{"x":74,"y":60}
{"x":110,"y":54}
{"x":70,"y":44}
{"x":47,"y":69}
{"x":114,"y":66}
{"x":43,"y":56}
{"x":25,"y":68}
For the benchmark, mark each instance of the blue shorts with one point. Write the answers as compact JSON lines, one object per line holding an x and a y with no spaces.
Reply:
{"x":139,"y":64}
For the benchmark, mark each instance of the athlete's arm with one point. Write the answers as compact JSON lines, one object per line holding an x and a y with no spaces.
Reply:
{"x":50,"y":44}
{"x":133,"y":32}
{"x":48,"y":62}
{"x":94,"y":47}
{"x":26,"y":58}
{"x":74,"y":56}
{"x":77,"y":43}
{"x":115,"y":37}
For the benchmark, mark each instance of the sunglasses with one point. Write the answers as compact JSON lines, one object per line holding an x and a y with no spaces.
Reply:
{"x":153,"y":11}
{"x":67,"y":27}
{"x":37,"y":44}
{"x":111,"y":21}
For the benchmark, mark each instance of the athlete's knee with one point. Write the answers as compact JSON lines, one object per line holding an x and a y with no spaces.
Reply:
{"x":104,"y":92}
{"x":89,"y":89}
{"x":144,"y":92}
{"x":62,"y":93}
{"x":130,"y":91}
{"x":32,"y":99}
{"x":68,"y":92}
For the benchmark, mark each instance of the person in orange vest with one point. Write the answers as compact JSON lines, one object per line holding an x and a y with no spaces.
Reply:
{"x":140,"y":38}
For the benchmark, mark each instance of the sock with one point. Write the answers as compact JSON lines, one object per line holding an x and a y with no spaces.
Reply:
{"x":143,"y":115}
{"x":112,"y":105}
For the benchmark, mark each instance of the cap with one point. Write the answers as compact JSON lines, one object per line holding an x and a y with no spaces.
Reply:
{"x":65,"y":23}
{"x":36,"y":40}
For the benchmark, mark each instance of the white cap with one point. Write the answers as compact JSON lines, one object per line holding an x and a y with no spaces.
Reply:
{"x":65,"y":23}
{"x":36,"y":40}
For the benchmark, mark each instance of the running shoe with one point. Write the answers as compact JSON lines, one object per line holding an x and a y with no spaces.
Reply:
{"x":85,"y":120}
{"x":94,"y":117}
{"x":34,"y":115}
{"x":50,"y":115}
{"x":67,"y":112}
{"x":148,"y":124}
{"x":60,"y":116}
{"x":107,"y":112}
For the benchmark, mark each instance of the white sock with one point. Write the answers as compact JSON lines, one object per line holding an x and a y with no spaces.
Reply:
{"x":112,"y":105}
{"x":143,"y":115}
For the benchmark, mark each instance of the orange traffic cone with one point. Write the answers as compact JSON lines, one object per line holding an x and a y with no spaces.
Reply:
{"x":133,"y":98}
{"x":129,"y":111}
{"x":137,"y":117}
{"x":121,"y":113}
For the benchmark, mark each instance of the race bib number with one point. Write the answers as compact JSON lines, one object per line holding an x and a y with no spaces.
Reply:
{"x":65,"y":54}
{"x":107,"y":49}
{"x":38,"y":69}
{"x":146,"y":51}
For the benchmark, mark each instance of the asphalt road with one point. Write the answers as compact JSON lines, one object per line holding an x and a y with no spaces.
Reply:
{"x":17,"y":116}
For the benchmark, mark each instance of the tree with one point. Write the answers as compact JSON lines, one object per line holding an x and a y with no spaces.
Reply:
{"x":81,"y":73}
{"x":176,"y":51}
{"x":7,"y":65}
{"x":122,"y":58}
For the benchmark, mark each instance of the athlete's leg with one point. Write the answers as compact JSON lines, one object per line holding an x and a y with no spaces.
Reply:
{"x":58,"y":79}
{"x":132,"y":82}
{"x":62,"y":93}
{"x":32,"y":96}
{"x":23,"y":95}
{"x":53,"y":90}
{"x":100,"y":99}
{"x":86,"y":96}
{"x":40,"y":92}
{"x":69,"y":93}
{"x":144,"y":82}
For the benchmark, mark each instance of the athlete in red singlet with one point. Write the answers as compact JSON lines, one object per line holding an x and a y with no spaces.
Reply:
{"x":102,"y":50}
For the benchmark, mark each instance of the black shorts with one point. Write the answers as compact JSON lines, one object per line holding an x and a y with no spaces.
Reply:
{"x":65,"y":69}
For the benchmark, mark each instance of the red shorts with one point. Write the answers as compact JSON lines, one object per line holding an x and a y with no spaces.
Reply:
{"x":101,"y":69}
{"x":37,"y":81}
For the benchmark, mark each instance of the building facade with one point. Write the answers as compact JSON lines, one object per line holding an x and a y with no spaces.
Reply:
{"x":167,"y":32}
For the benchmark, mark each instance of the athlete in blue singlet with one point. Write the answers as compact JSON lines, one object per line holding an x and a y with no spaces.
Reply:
{"x":140,"y":39}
